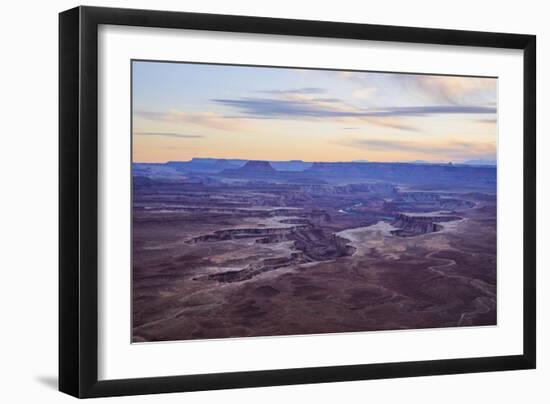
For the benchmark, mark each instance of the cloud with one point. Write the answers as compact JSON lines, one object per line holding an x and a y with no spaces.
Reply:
{"x":205,"y":119}
{"x":450,"y":89}
{"x":390,"y":122}
{"x":439,"y":109}
{"x":325,"y":99}
{"x":361,"y":78}
{"x":302,"y":107}
{"x":303,"y":90}
{"x":278,"y":108}
{"x":168,"y":134}
{"x":437,"y":89}
{"x":364,"y":92}
{"x":456,"y":149}
{"x":487,"y":121}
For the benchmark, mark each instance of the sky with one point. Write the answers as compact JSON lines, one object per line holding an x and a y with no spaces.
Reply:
{"x":185,"y":110}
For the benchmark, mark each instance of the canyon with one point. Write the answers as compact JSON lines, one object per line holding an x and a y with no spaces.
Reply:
{"x":235,"y":248}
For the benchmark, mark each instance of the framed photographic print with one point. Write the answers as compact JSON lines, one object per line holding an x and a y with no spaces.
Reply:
{"x":250,"y":201}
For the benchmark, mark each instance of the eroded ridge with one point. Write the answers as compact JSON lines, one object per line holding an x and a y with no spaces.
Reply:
{"x":410,"y":225}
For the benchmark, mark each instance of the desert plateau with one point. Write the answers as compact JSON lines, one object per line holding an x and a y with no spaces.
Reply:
{"x":234,"y":248}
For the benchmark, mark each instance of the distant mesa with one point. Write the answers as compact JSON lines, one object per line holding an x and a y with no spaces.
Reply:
{"x":257,"y":166}
{"x":322,"y":166}
{"x":481,"y":162}
{"x":290,"y":165}
{"x":253,"y":169}
{"x":205,"y":165}
{"x":441,"y":176}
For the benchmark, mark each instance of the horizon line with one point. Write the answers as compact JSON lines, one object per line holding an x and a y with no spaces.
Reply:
{"x":492,"y":163}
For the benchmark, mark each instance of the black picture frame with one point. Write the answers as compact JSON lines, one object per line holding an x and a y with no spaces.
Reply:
{"x":78,"y":200}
